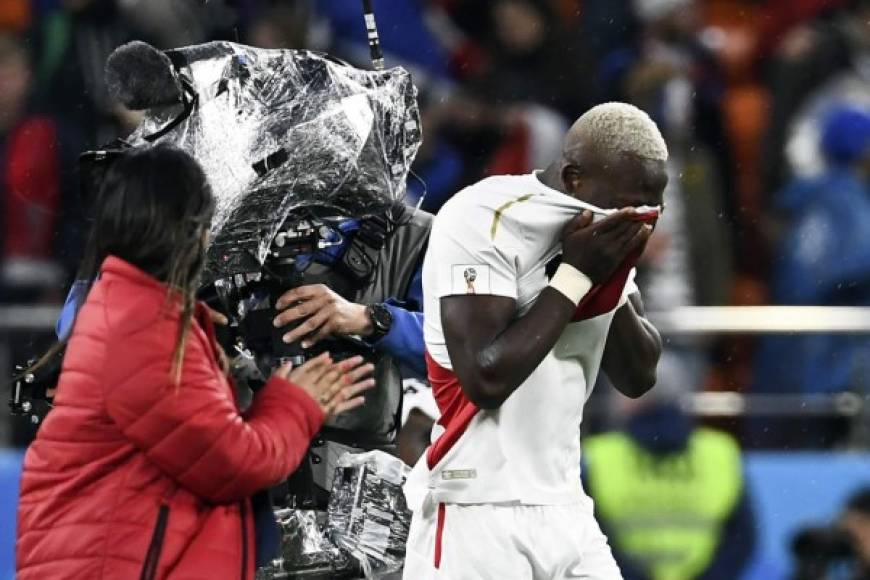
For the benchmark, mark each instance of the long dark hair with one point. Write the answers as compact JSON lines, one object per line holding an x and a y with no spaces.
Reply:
{"x":153,"y":210}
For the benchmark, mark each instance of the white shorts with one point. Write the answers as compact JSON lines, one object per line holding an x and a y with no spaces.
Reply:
{"x":491,"y":541}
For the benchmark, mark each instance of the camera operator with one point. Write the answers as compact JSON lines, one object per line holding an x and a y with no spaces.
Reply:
{"x":384,"y":310}
{"x":145,"y":467}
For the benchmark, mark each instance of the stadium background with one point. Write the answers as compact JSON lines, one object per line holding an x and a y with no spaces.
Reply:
{"x":764,"y":105}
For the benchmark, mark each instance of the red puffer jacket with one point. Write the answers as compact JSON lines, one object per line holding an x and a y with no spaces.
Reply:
{"x":132,"y":476}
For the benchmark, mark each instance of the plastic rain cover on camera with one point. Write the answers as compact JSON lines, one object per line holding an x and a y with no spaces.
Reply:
{"x":305,"y":549}
{"x":368,"y":515}
{"x":277,"y":130}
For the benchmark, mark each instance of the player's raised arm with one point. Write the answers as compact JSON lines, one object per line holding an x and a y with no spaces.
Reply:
{"x":493,"y":352}
{"x":632,"y":351}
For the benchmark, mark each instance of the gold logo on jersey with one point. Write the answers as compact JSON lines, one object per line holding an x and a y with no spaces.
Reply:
{"x":450,"y":474}
{"x":470,"y":276}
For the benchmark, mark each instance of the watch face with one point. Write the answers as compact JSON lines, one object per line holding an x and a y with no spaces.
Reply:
{"x":381,"y":317}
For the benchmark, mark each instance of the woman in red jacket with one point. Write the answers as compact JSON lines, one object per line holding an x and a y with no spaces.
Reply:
{"x":145,"y":467}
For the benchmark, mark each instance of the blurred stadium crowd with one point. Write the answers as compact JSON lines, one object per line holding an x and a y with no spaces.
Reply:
{"x":765,"y":105}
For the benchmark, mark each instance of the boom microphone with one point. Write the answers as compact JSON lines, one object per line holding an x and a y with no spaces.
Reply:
{"x":374,"y":39}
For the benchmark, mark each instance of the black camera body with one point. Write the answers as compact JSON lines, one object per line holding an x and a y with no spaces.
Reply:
{"x":249,"y":299}
{"x":33,"y":388}
{"x":313,"y":246}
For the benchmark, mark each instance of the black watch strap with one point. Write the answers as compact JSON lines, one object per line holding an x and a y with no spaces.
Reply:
{"x":382,"y":321}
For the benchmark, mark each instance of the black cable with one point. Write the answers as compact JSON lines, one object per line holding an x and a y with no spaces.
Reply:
{"x":412,"y":173}
{"x":190,"y":100}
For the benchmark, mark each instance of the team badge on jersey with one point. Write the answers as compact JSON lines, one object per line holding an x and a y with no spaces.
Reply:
{"x":470,"y":279}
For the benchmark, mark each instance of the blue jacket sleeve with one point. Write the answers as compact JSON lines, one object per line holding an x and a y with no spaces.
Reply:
{"x":404,"y":341}
{"x":74,"y":300}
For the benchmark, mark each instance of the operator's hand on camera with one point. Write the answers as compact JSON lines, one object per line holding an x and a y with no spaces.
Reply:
{"x":335,"y":386}
{"x":325,"y":313}
{"x":597,"y":249}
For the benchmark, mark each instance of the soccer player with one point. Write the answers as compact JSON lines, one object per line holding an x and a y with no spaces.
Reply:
{"x":528,"y":291}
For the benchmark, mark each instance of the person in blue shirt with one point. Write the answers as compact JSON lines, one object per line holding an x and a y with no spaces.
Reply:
{"x":822,"y":259}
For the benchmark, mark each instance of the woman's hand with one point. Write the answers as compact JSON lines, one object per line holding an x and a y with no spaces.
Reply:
{"x":216,"y":317}
{"x":335,"y":386}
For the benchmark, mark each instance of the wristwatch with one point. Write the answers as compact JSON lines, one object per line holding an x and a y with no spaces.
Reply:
{"x":382,"y":321}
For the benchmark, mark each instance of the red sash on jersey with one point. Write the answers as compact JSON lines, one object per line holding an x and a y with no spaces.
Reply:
{"x":456,"y":410}
{"x":604,"y":297}
{"x":456,"y":413}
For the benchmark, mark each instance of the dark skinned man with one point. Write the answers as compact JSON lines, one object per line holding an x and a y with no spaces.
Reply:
{"x":528,"y":291}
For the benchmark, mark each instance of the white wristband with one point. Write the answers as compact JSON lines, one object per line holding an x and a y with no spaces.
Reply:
{"x":571,"y":282}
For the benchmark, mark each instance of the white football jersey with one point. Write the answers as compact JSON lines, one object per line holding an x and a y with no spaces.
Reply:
{"x":496,"y":237}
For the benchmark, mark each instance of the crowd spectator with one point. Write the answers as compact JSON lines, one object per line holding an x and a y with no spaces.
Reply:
{"x":532,"y":58}
{"x":823,"y":258}
{"x":15,"y":15}
{"x":286,"y":25}
{"x":30,"y":183}
{"x":830,"y":50}
{"x":71,"y":43}
{"x":173,"y":23}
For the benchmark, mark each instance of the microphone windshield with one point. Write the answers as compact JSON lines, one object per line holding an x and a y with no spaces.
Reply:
{"x":140,"y":77}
